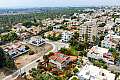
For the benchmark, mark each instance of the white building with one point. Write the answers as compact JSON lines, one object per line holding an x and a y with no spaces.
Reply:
{"x":56,"y":27}
{"x":97,"y":52}
{"x":66,"y":36}
{"x":109,"y":25}
{"x":110,"y":41}
{"x":117,"y":20}
{"x":37,"y":41}
{"x":18,"y":28}
{"x":90,"y":72}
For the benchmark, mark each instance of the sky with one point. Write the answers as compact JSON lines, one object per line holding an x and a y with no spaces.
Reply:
{"x":55,"y":3}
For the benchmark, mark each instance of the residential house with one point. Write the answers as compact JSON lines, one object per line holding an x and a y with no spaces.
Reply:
{"x":110,"y":41}
{"x":37,"y":41}
{"x":66,"y":36}
{"x":16,"y":49}
{"x":58,"y":21}
{"x":117,"y":20}
{"x":100,"y":53}
{"x":24,"y":35}
{"x":52,"y":33}
{"x":34,"y":30}
{"x":90,"y":72}
{"x":48,"y":22}
{"x":116,"y":29}
{"x":97,"y":52}
{"x":109,"y":26}
{"x":61,"y":60}
{"x":56,"y":27}
{"x":19,"y":28}
{"x":72,"y":24}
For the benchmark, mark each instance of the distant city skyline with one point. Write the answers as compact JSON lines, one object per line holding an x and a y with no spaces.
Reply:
{"x":56,"y":3}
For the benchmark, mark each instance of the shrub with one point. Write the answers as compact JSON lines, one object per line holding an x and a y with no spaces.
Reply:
{"x":74,"y":78}
{"x":75,"y":70}
{"x":31,"y":52}
{"x":50,"y":53}
{"x":105,"y":66}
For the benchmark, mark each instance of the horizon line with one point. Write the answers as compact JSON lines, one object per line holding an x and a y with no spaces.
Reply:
{"x":57,"y":7}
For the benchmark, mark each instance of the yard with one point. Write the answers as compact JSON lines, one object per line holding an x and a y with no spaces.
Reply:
{"x":26,"y":58}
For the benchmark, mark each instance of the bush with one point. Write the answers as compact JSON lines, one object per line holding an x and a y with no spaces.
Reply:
{"x":26,"y":47}
{"x":31,"y":52}
{"x":9,"y":37}
{"x":74,"y":78}
{"x":70,"y":51}
{"x":105,"y":66}
{"x":75,"y":70}
{"x":54,"y":38}
{"x":50,"y":54}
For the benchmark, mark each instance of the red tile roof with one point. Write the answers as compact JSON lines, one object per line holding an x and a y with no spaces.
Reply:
{"x":59,"y":57}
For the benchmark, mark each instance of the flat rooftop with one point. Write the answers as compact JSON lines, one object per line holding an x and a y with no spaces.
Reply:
{"x":99,"y":50}
{"x":95,"y":73}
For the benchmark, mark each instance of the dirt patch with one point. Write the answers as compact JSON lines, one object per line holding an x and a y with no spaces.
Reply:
{"x":26,"y":58}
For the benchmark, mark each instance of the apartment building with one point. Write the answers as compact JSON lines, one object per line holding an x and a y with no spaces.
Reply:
{"x":89,"y":28}
{"x":66,"y":36}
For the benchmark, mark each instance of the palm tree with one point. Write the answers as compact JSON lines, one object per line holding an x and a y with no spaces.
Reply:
{"x":94,"y":39}
{"x":115,"y":55}
{"x":46,"y":60}
{"x":40,"y":26}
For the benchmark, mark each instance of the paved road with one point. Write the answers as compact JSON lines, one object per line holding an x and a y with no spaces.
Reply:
{"x":56,"y":47}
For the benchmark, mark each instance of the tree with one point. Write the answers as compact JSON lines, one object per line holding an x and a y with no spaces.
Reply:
{"x":54,"y":37}
{"x":115,"y":55}
{"x":75,"y":70}
{"x":28,"y":24}
{"x":40,"y":25}
{"x":74,"y":78}
{"x":105,"y":66}
{"x":9,"y":62}
{"x":102,"y":25}
{"x":112,"y":50}
{"x":94,"y":39}
{"x":63,"y":50}
{"x":2,"y":58}
{"x":50,"y":54}
{"x":76,"y":35}
{"x":6,"y":60}
{"x":11,"y":36}
{"x":46,"y":59}
{"x":41,"y":75}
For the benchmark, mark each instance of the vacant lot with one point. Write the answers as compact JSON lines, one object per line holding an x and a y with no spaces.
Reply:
{"x":26,"y":58}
